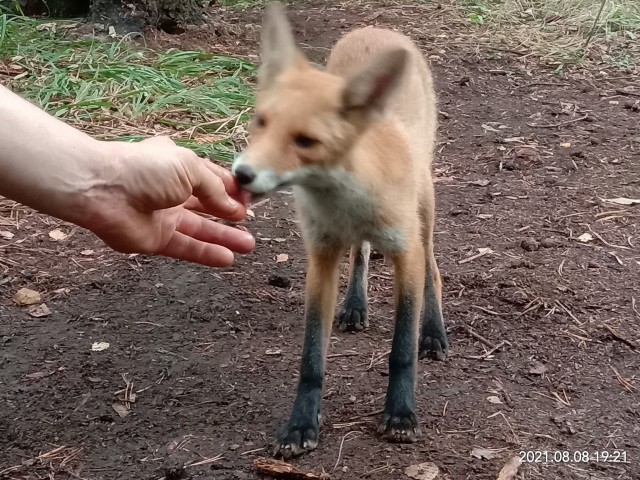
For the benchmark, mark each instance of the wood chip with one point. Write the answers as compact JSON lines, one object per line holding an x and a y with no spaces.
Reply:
{"x":483,"y":251}
{"x":280,"y":469}
{"x":510,"y":470}
{"x":121,"y":410}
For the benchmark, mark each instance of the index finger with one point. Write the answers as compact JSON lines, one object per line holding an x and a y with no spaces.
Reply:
{"x":230,"y":183}
{"x":210,"y":189}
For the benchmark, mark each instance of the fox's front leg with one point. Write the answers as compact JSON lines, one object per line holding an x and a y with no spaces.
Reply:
{"x":301,"y":431}
{"x":399,"y":421}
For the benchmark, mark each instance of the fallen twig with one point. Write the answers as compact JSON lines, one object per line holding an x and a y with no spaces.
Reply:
{"x":341,"y":446}
{"x":626,"y":92}
{"x":599,"y":237}
{"x":370,"y":414}
{"x":490,"y":312}
{"x":620,"y":338}
{"x":477,"y":336}
{"x":559,"y":124}
{"x":569,"y":313}
{"x":624,"y":382}
{"x":485,"y":355}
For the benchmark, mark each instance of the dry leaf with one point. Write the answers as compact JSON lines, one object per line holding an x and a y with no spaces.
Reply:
{"x":39,"y":311}
{"x":485,"y":453}
{"x":422,"y":471}
{"x":26,"y":296}
{"x":57,"y":235}
{"x":585,"y":237}
{"x":494,"y":399}
{"x":86,"y":252}
{"x":622,"y":201}
{"x":282,"y":257}
{"x":538,"y":369}
{"x":99,"y":346}
{"x":6,"y":235}
{"x":121,"y":410}
{"x":510,"y":470}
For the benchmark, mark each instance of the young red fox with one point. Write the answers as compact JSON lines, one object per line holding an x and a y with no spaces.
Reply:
{"x":355,"y":141}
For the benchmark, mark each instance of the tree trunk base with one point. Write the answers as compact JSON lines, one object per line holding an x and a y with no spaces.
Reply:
{"x":128,"y":16}
{"x":124,"y":15}
{"x":48,"y":8}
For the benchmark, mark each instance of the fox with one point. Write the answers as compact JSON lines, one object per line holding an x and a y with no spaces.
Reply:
{"x":355,"y":142}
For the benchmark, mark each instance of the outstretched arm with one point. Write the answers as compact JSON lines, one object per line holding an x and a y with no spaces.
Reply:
{"x":137,"y":197}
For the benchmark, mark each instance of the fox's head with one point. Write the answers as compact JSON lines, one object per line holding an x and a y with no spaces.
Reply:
{"x":306,"y":120}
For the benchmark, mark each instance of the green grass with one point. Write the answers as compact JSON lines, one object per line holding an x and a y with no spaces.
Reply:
{"x":114,"y":90}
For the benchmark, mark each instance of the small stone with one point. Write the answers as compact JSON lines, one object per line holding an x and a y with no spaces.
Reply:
{"x":550,"y":242}
{"x":530,"y":244}
{"x":520,"y":262}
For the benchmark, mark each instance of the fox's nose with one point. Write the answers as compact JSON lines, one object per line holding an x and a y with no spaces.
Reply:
{"x":245,"y":174}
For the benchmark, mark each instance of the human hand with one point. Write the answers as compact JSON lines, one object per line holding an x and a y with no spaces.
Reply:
{"x":149,"y":199}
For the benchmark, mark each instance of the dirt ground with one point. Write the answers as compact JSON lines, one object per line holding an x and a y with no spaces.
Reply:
{"x":540,"y":288}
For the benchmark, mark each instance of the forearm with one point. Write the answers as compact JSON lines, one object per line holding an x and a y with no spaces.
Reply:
{"x":47,"y":164}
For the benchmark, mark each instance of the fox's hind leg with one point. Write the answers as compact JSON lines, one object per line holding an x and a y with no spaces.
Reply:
{"x":433,"y":337}
{"x":354,"y":313}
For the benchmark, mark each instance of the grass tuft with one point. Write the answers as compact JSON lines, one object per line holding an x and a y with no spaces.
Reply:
{"x":115,"y":90}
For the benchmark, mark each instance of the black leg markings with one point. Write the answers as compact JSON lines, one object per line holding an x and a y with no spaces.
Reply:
{"x":433,"y":336}
{"x":399,"y":421}
{"x":302,"y":430}
{"x":354,"y":314}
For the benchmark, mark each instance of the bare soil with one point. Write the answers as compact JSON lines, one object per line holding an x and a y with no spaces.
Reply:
{"x":543,"y":326}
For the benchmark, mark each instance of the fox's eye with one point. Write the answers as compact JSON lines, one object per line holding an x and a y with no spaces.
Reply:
{"x":303,"y":141}
{"x":259,"y":121}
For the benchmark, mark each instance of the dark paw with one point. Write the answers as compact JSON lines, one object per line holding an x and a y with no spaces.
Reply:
{"x":399,"y":427}
{"x":353,"y":317}
{"x":294,"y":441}
{"x":434,"y":348}
{"x":433,"y":341}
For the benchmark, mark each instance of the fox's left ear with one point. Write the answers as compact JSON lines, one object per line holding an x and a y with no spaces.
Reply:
{"x":367,"y":91}
{"x":279,"y":50}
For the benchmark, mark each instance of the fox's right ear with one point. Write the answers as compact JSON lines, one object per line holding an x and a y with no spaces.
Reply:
{"x":279,"y":50}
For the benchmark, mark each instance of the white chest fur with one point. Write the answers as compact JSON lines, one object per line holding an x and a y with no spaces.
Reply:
{"x":338,"y":210}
